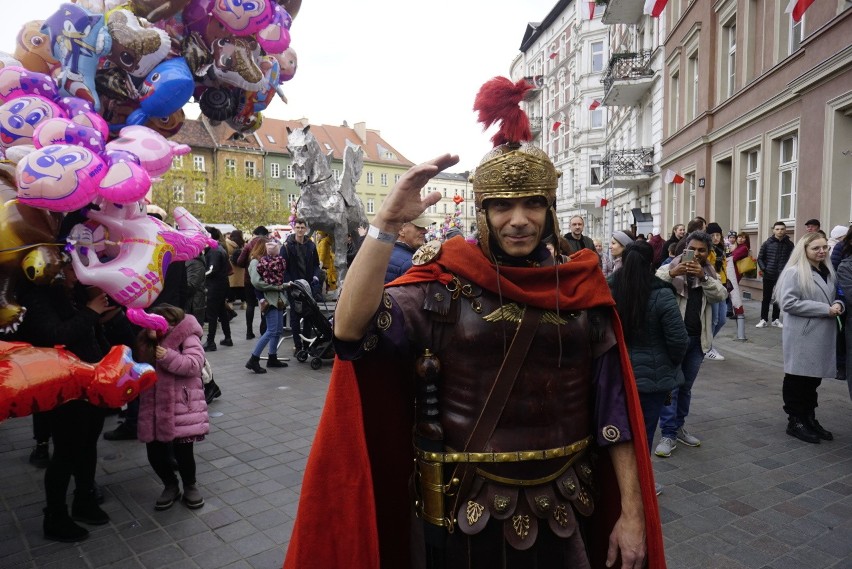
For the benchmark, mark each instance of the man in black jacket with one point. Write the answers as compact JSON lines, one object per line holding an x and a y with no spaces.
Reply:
{"x":773,"y":257}
{"x":302,"y":263}
{"x":575,"y":238}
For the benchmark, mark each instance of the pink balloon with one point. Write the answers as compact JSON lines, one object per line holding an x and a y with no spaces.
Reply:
{"x":63,"y":131}
{"x":61,"y":178}
{"x":244,"y":17}
{"x":155,"y":152}
{"x":17,"y":81}
{"x":134,"y":276}
{"x":20,"y":116}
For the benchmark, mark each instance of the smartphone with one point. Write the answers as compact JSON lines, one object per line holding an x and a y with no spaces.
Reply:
{"x":688,"y":256}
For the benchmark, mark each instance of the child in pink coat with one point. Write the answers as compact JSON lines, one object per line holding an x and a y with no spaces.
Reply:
{"x":174,"y":411}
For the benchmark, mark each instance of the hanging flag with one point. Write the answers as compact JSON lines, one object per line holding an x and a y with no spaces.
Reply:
{"x":602,"y":202}
{"x":554,"y":55}
{"x":655,"y":7}
{"x":587,"y":10}
{"x":797,"y":8}
{"x":556,"y":126}
{"x":673,"y":177}
{"x":592,"y":104}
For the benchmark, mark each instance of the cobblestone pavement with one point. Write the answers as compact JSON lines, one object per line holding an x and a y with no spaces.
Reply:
{"x":749,"y":497}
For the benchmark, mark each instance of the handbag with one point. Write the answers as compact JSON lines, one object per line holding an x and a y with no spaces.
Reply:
{"x":747,"y":265}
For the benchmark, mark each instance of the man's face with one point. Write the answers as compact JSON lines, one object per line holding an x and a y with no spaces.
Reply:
{"x":779,"y":231}
{"x":700,"y":249}
{"x":412,"y":235}
{"x":517,"y":224}
{"x":300,"y":229}
{"x":577,"y":226}
{"x":811,"y":228}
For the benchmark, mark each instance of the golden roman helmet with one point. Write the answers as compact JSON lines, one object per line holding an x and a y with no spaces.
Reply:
{"x":514,"y":168}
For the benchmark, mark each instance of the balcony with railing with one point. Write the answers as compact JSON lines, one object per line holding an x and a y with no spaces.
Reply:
{"x":628,"y":78}
{"x":622,"y":11}
{"x":630,"y":164}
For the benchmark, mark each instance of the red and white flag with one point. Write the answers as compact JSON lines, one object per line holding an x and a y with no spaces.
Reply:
{"x":797,"y":8}
{"x":587,"y":10}
{"x":655,"y":7}
{"x":673,"y":177}
{"x":554,"y":55}
{"x":592,"y":104}
{"x":602,"y":202}
{"x":556,"y":126}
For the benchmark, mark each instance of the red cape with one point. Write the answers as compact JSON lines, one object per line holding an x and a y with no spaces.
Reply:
{"x":362,"y":449}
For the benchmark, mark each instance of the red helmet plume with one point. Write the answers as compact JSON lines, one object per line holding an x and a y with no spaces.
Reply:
{"x":499,"y":100}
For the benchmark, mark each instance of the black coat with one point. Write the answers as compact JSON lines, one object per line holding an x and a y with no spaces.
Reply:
{"x":290,"y":250}
{"x":774,"y":254}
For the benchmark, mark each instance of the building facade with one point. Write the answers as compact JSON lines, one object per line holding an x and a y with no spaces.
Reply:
{"x":453,"y":188}
{"x":758,"y":124}
{"x":564,"y":56}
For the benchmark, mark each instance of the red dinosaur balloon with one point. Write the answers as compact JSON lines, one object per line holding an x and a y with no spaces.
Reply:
{"x":38,"y":379}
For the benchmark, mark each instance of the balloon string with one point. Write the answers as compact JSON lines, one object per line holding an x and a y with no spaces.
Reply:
{"x":32,"y":246}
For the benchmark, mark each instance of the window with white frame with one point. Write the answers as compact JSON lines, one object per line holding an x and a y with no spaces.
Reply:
{"x":674,"y":102}
{"x":472,"y":211}
{"x":179,"y":192}
{"x":728,"y":58}
{"x":383,"y":179}
{"x":370,"y":178}
{"x":787,"y":170}
{"x":445,"y":208}
{"x":198,"y":163}
{"x":689,"y":182}
{"x":251,"y":172}
{"x":276,"y":200}
{"x":177,"y":162}
{"x":292,"y":198}
{"x":595,"y":172}
{"x":291,"y":173}
{"x":275,"y":170}
{"x":335,"y":174}
{"x":396,"y":178}
{"x":597,"y":56}
{"x":752,"y":185}
{"x":797,"y":30}
{"x":371,"y":205}
{"x":230,"y":167}
{"x":596,"y":118}
{"x":692,"y":88}
{"x":200,"y":196}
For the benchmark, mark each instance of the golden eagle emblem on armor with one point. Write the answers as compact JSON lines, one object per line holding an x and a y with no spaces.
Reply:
{"x":514,"y":313}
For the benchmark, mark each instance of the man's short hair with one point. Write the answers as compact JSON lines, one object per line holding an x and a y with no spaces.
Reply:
{"x":702,"y":236}
{"x":299,"y":220}
{"x":573,"y":217}
{"x":695,"y":225}
{"x":812,"y":222}
{"x":779,"y":223}
{"x":260,"y":230}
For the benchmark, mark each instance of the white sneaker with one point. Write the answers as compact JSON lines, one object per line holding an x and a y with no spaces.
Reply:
{"x":684,"y":437}
{"x":665,"y":447}
{"x":777,"y":323}
{"x":714,"y":355}
{"x":762,"y":324}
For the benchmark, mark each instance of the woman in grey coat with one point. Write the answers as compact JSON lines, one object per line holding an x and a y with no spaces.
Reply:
{"x":806,"y":294}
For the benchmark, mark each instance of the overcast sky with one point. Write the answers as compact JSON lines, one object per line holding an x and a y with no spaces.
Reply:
{"x":408,"y":69}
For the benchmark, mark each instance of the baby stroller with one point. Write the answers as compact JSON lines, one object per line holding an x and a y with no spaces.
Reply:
{"x":316,"y":328}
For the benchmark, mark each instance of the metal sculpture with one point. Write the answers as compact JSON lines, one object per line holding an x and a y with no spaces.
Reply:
{"x":326,"y":204}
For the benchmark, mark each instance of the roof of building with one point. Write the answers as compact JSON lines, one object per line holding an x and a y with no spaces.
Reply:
{"x":273,"y":137}
{"x":225,"y":137}
{"x":195,"y":134}
{"x":535,"y":29}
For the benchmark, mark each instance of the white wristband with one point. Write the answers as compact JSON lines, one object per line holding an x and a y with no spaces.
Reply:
{"x":380,"y":235}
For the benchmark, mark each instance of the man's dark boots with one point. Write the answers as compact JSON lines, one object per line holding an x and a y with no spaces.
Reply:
{"x":796,"y":427}
{"x":818,"y":429}
{"x":58,"y":526}
{"x":273,"y":361}
{"x":85,"y":509}
{"x":254,"y":365}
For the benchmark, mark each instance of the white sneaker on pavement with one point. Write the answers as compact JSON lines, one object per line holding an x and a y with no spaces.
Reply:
{"x":684,"y":437}
{"x":665,"y":447}
{"x":777,"y":323}
{"x":713,"y":354}
{"x":762,"y":324}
